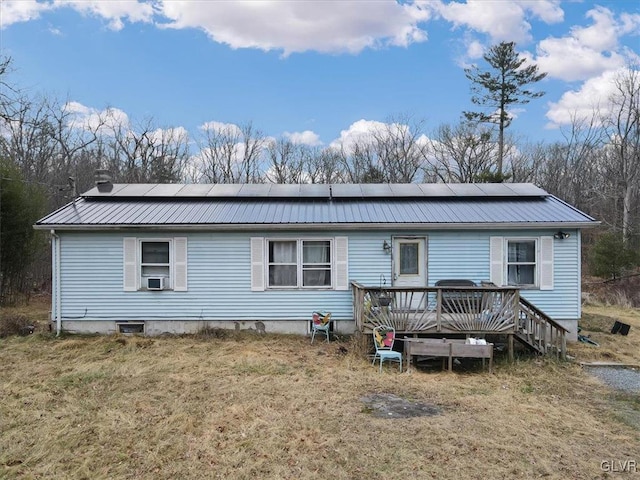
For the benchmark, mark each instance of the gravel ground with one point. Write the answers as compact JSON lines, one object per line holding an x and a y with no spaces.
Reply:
{"x":620,"y":378}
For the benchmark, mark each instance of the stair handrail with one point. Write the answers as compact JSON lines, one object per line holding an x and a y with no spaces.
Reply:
{"x":542,"y":315}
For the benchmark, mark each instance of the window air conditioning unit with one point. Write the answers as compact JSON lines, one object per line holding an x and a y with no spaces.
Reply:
{"x":155,"y":283}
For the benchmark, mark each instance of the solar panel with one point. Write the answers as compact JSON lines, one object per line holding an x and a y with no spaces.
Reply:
{"x":435,"y":189}
{"x":376,"y":190}
{"x":466,"y":190}
{"x":194,"y":190}
{"x":405,"y":190}
{"x":279,"y":190}
{"x":254,"y":190}
{"x":135,"y":190}
{"x":315,"y":190}
{"x":224,"y":190}
{"x":495,"y":189}
{"x":164,"y":190}
{"x":527,"y":190}
{"x":346,"y":190}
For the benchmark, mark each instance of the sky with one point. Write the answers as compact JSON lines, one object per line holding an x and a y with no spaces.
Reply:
{"x":316,"y":72}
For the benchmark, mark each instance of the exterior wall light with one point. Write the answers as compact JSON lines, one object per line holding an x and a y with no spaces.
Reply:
{"x":386,"y":246}
{"x":561,"y":235}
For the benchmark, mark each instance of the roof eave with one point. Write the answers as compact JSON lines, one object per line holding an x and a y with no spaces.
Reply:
{"x":324,"y":226}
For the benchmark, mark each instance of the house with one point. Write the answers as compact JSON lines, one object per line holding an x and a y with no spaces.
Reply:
{"x":157,"y":258}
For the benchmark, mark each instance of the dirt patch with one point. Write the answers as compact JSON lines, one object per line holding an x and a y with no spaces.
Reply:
{"x":387,"y":405}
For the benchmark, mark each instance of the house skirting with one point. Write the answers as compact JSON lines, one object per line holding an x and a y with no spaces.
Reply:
{"x":178,"y":327}
{"x":572,"y":326}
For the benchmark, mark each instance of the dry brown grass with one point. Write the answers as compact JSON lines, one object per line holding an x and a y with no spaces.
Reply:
{"x":596,"y":322}
{"x":249,"y":406}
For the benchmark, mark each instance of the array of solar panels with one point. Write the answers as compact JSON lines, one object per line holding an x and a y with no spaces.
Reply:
{"x":383,"y":190}
{"x":267,"y":211}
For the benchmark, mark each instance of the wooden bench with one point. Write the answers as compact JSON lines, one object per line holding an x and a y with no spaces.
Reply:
{"x":446,"y":348}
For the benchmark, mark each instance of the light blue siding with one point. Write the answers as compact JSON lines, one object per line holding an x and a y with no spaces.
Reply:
{"x":219,"y":280}
{"x":219,"y":276}
{"x":466,"y":255}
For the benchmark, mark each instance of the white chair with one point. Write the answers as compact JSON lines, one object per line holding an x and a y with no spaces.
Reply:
{"x":321,"y":323}
{"x":383,"y":339}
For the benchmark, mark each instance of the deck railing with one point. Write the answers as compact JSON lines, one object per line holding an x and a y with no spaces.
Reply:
{"x":461,"y":310}
{"x":541,"y":331}
{"x":437,"y":309}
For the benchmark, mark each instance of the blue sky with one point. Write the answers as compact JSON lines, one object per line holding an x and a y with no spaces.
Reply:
{"x":315,"y":71}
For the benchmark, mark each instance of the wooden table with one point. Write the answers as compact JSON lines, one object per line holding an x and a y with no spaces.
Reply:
{"x":447,"y":349}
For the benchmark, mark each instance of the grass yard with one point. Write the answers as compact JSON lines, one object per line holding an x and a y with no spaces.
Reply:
{"x":241,"y":405}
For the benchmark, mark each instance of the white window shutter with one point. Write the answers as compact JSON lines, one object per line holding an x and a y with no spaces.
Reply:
{"x":257,"y":264}
{"x":129,"y":258}
{"x":180,"y":264}
{"x":546,"y":263}
{"x":342,"y":263}
{"x":496,"y":259}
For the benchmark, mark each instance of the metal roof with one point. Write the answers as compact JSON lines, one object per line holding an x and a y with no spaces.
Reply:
{"x":343,"y":190}
{"x":242,"y":207}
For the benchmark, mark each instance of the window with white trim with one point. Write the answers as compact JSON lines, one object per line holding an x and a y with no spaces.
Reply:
{"x":522,"y":264}
{"x":155,"y":261}
{"x":300,"y":263}
{"x":155,"y":264}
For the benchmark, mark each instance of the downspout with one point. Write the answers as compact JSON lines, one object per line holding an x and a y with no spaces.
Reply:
{"x":56,"y":281}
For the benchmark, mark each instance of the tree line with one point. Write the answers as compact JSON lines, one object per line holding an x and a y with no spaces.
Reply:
{"x":50,"y":150}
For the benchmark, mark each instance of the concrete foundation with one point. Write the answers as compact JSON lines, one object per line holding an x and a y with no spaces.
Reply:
{"x":178,"y":327}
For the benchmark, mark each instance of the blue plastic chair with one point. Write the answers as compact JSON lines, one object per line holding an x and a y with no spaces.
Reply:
{"x":321,"y":323}
{"x":383,"y":339}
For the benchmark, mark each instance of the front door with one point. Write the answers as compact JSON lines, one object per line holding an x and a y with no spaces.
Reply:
{"x":410,"y":265}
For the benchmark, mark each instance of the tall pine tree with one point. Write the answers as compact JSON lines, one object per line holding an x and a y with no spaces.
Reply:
{"x":504,"y":84}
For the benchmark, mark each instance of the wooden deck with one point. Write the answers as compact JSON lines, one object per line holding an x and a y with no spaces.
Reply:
{"x":471,"y":311}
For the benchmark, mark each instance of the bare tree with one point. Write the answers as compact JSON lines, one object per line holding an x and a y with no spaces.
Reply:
{"x":8,"y":91}
{"x":392,"y":152}
{"x":323,"y":165}
{"x":525,"y":162}
{"x":624,"y":136}
{"x":461,"y":153}
{"x":286,"y":161}
{"x":401,"y":149}
{"x":568,"y":170}
{"x":231,"y":154}
{"x":146,"y":154}
{"x":28,"y":139}
{"x":358,"y":162}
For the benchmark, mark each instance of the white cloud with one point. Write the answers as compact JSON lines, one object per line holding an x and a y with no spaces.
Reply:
{"x":501,"y":20}
{"x":297,"y":26}
{"x":593,"y":97}
{"x":475,"y":49}
{"x":113,"y":12}
{"x":230,"y":129}
{"x":305,"y":138}
{"x":358,"y":132}
{"x":14,"y":11}
{"x":587,"y":51}
{"x":366,"y":131}
{"x":169,"y":135}
{"x":87,"y":118}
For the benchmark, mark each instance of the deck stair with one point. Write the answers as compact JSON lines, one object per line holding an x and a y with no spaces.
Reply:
{"x":450,"y":311}
{"x":539,"y":332}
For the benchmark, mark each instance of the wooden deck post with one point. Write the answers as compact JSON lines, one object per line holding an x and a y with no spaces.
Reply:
{"x":439,"y":310}
{"x":511,"y":357}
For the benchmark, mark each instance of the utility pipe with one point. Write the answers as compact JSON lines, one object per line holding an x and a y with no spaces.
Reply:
{"x":56,"y":281}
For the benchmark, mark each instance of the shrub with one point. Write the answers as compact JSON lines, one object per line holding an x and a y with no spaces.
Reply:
{"x":15,"y":325}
